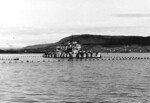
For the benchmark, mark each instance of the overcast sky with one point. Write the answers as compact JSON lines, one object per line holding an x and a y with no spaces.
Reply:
{"x":25,"y":22}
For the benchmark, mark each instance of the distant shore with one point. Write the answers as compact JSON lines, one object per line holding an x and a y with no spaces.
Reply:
{"x":95,"y":43}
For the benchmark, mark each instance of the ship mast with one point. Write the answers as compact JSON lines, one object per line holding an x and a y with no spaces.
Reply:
{"x":72,"y":38}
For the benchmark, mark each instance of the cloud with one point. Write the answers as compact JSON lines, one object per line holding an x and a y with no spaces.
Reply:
{"x":133,"y":15}
{"x":32,"y":31}
{"x":20,"y":31}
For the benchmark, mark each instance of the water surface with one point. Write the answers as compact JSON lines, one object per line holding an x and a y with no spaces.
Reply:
{"x":109,"y":81}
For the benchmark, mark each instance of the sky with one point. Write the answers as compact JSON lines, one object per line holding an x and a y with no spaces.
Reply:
{"x":29,"y":22}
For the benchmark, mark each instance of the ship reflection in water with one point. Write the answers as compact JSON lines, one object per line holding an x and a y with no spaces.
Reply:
{"x":122,"y":81}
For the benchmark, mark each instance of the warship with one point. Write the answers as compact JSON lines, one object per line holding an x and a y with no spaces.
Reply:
{"x":71,"y":50}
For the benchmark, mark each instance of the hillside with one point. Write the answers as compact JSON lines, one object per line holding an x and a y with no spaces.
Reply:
{"x":99,"y":43}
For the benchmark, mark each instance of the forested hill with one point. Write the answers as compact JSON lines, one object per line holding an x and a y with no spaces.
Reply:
{"x":99,"y":43}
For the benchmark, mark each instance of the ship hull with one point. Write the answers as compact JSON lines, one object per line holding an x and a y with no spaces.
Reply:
{"x":70,"y":55}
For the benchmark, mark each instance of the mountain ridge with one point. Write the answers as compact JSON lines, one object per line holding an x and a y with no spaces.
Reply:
{"x":101,"y":43}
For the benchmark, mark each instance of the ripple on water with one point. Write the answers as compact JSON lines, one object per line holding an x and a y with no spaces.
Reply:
{"x":76,"y":81}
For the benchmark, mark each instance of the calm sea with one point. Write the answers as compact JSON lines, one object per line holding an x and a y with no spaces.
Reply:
{"x":98,"y":81}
